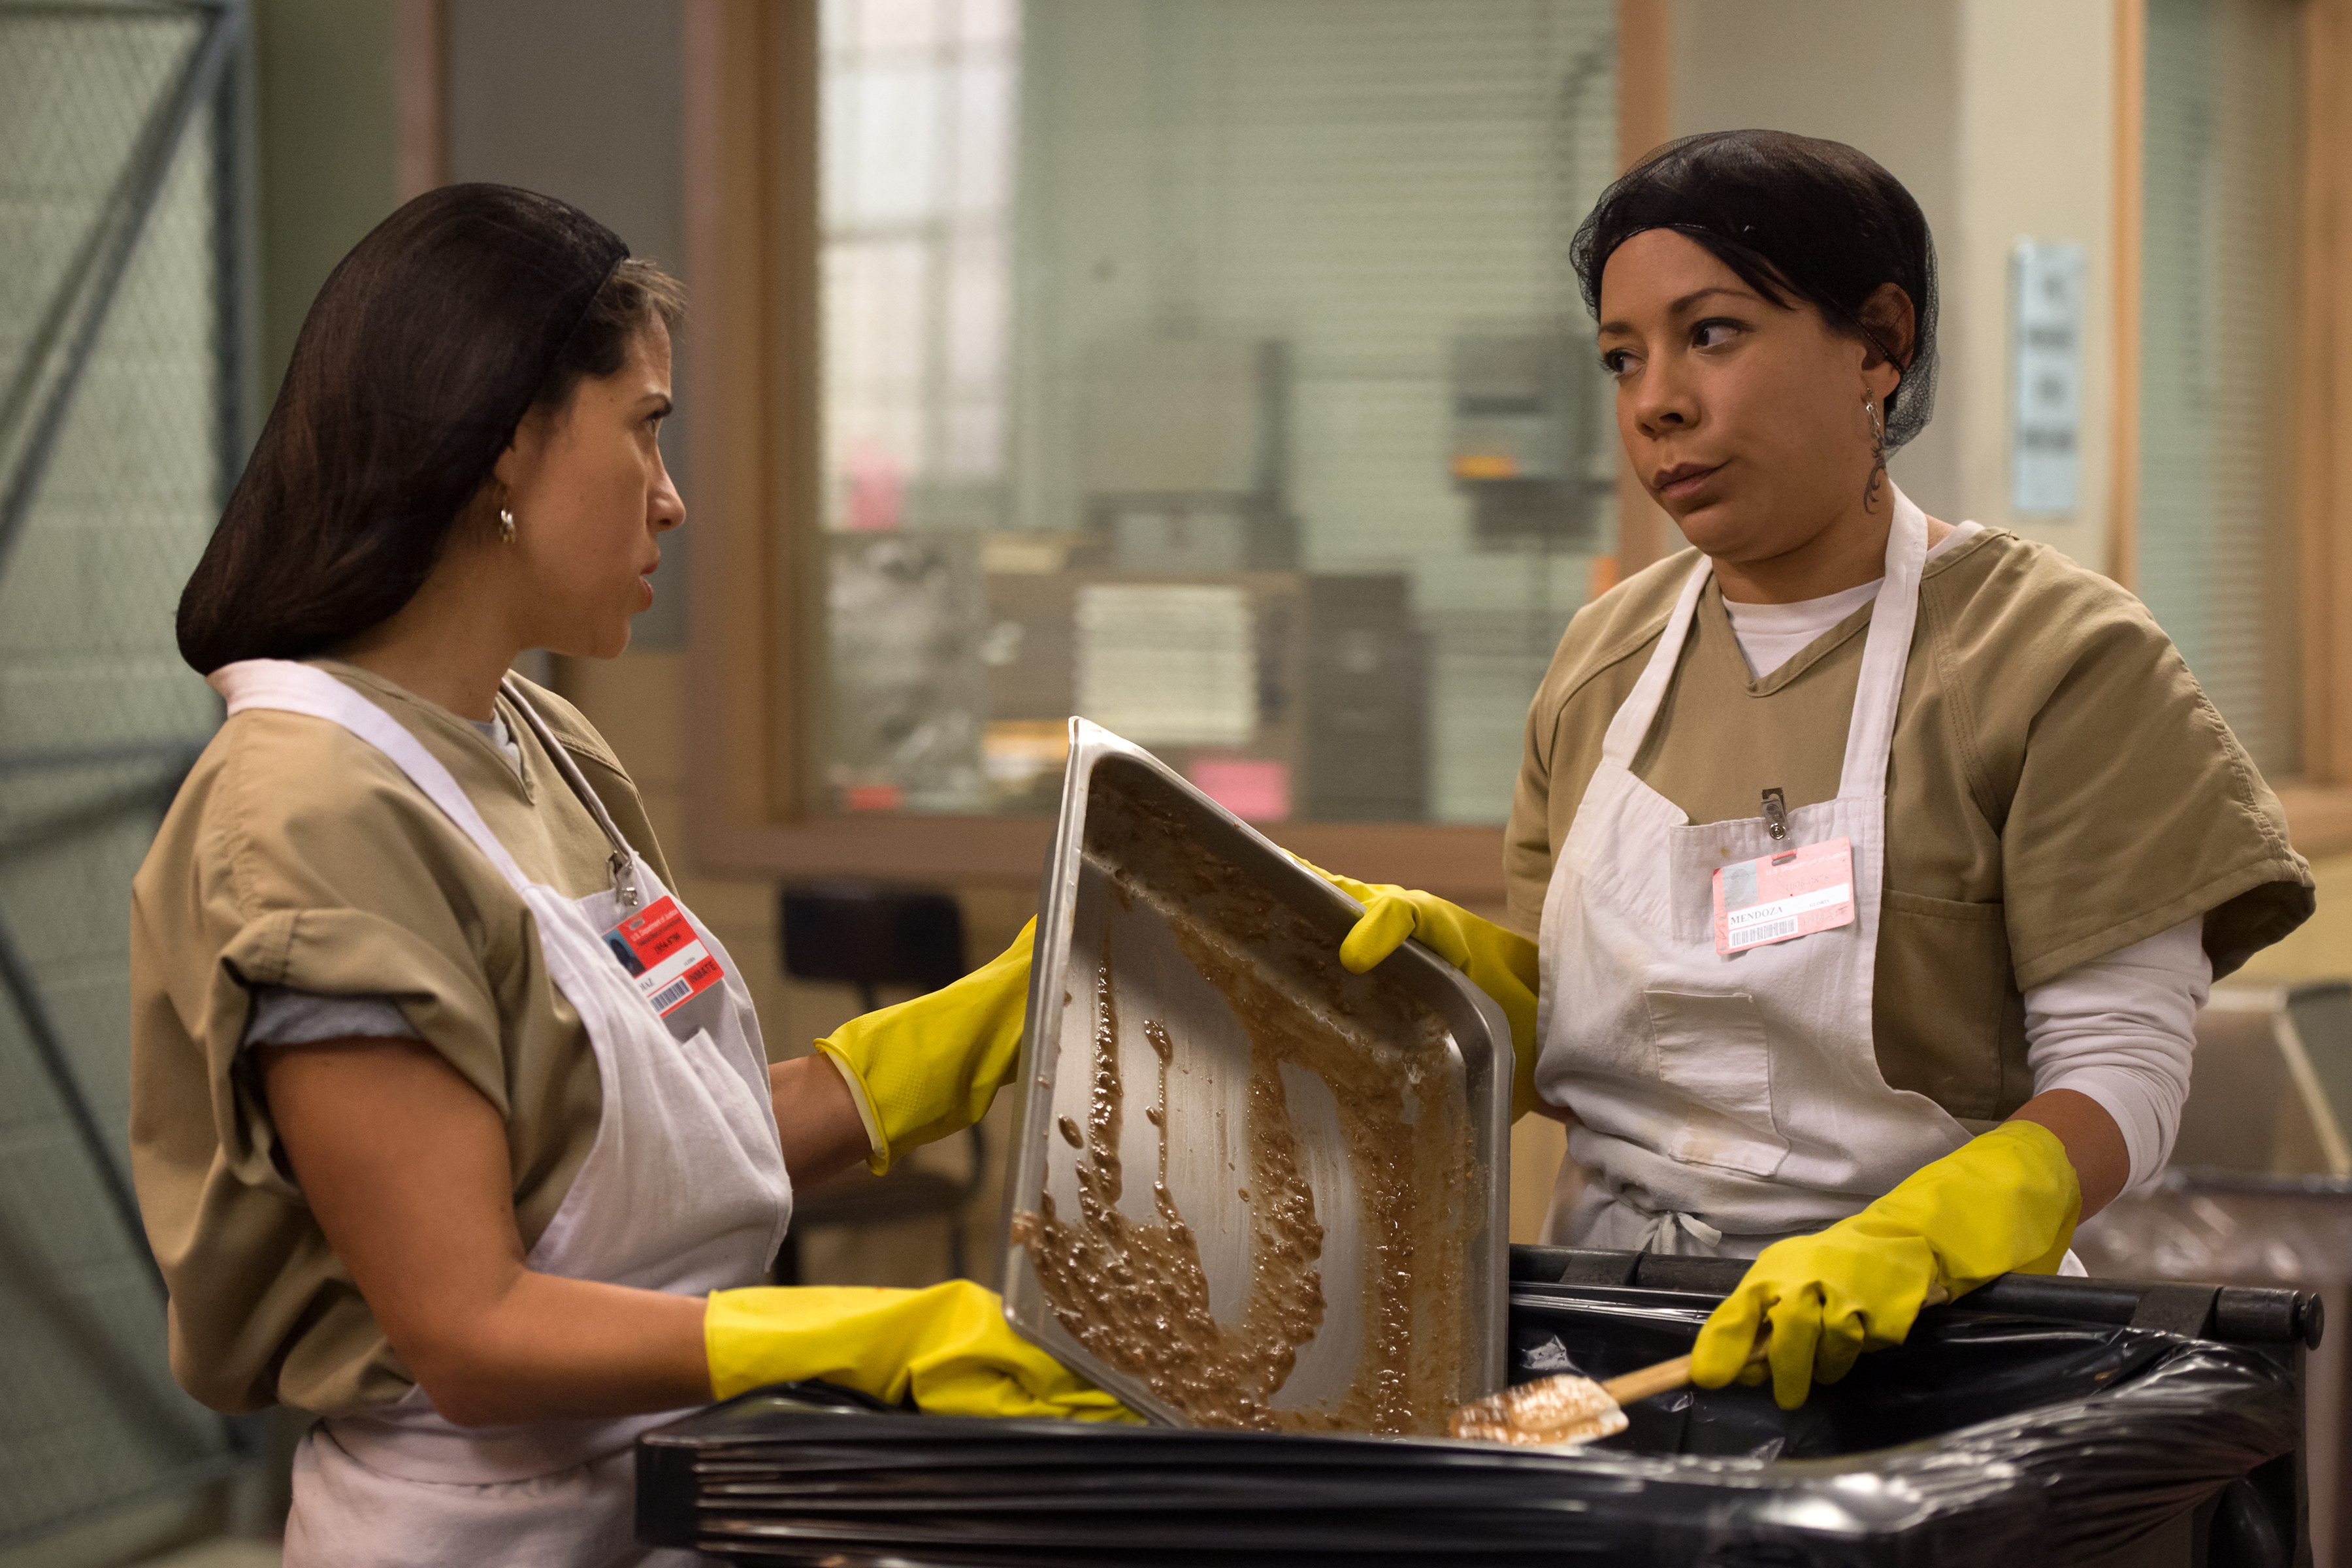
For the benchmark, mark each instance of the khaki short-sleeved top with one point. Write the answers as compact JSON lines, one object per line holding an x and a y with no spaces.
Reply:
{"x":299,"y":855}
{"x":2059,"y":787}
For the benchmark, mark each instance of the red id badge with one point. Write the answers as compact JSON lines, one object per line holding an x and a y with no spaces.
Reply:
{"x":660,"y":948}
{"x":1777,"y":897}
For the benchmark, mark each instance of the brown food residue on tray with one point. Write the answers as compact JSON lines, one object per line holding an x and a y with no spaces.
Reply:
{"x":1133,"y":1292}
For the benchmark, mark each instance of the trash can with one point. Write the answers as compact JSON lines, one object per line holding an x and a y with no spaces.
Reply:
{"x":2039,"y":1421}
{"x":2260,"y":1193}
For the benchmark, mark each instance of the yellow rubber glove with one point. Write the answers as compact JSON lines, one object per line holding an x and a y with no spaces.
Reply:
{"x":949,"y":1346}
{"x":925,"y":1069}
{"x":1500,"y":963}
{"x":2005,"y":1201}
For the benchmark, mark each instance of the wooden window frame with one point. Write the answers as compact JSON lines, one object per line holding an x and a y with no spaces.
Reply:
{"x":756,"y":614}
{"x":420,"y":95}
{"x":2318,"y":800}
{"x":2319,"y":804}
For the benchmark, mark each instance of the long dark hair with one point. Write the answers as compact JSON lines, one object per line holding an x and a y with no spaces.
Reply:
{"x":1791,"y":215}
{"x":429,"y":344}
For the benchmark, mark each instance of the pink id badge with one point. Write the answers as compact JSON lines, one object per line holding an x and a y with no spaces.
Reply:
{"x":658,"y":947}
{"x":1777,"y":897}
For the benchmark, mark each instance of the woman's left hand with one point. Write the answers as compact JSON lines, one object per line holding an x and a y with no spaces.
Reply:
{"x":931,"y":1067}
{"x":1500,"y":963}
{"x":2005,"y":1201}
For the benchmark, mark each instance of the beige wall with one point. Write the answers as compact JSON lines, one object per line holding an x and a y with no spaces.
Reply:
{"x":1997,"y":116}
{"x":2036,"y":144}
{"x":1879,"y":78}
{"x":584,"y":100}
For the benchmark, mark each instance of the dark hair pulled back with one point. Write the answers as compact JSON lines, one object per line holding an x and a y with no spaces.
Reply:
{"x":1791,"y":215}
{"x":429,"y":344}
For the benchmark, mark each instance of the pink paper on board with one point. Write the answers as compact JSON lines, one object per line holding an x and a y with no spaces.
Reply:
{"x":1253,"y":789}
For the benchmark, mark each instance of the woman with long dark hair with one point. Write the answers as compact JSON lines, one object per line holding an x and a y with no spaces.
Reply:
{"x":450,"y":1121}
{"x":1866,"y":872}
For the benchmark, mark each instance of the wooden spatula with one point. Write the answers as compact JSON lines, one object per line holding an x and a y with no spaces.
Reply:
{"x":1565,"y":1411}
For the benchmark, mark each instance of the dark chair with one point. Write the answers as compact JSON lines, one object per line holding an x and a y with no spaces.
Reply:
{"x":873,"y":935}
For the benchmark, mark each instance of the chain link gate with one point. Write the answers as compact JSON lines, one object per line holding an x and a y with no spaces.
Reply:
{"x":120,"y":375}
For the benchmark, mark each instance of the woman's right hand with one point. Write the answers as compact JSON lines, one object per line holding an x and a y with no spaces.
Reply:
{"x":948,"y":1348}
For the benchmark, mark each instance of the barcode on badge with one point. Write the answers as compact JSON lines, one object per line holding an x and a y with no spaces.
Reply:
{"x":1771,"y":931}
{"x":664,"y":953}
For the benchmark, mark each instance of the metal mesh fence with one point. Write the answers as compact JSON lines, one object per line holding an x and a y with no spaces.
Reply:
{"x":117,"y":401}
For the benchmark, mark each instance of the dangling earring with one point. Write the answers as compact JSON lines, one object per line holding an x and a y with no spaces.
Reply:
{"x":1877,"y":453}
{"x":505,"y":526}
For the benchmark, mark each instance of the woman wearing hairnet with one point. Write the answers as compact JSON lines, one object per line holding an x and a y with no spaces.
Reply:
{"x":450,"y":1121}
{"x":1875,"y":867}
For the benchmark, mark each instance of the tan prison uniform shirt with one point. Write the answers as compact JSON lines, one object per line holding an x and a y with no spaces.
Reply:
{"x":299,"y":855}
{"x":2059,"y":788}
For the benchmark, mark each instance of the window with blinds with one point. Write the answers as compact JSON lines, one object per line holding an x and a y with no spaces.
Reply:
{"x":1215,"y":369}
{"x":2221,"y":197}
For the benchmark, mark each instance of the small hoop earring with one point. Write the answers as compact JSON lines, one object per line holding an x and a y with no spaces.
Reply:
{"x":505,"y":526}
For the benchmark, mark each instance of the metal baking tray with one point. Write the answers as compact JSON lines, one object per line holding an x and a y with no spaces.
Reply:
{"x":1228,"y":1012}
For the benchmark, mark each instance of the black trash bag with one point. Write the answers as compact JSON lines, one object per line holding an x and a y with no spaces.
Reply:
{"x":1955,"y":1370}
{"x":1983,"y":1439}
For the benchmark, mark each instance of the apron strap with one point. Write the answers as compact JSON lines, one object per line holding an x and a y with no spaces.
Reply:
{"x":624,"y":854}
{"x":1870,"y":733}
{"x":286,"y":687}
{"x":1631,"y":723}
{"x":564,"y":763}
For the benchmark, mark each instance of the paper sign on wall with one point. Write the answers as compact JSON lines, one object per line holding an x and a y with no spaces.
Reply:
{"x":2045,"y":462}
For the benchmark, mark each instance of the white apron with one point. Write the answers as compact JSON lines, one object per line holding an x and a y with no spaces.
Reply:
{"x":683,"y":1191}
{"x":1726,"y":1101}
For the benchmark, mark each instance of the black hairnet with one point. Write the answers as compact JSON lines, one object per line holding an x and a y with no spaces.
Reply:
{"x":1791,"y":215}
{"x":429,"y":344}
